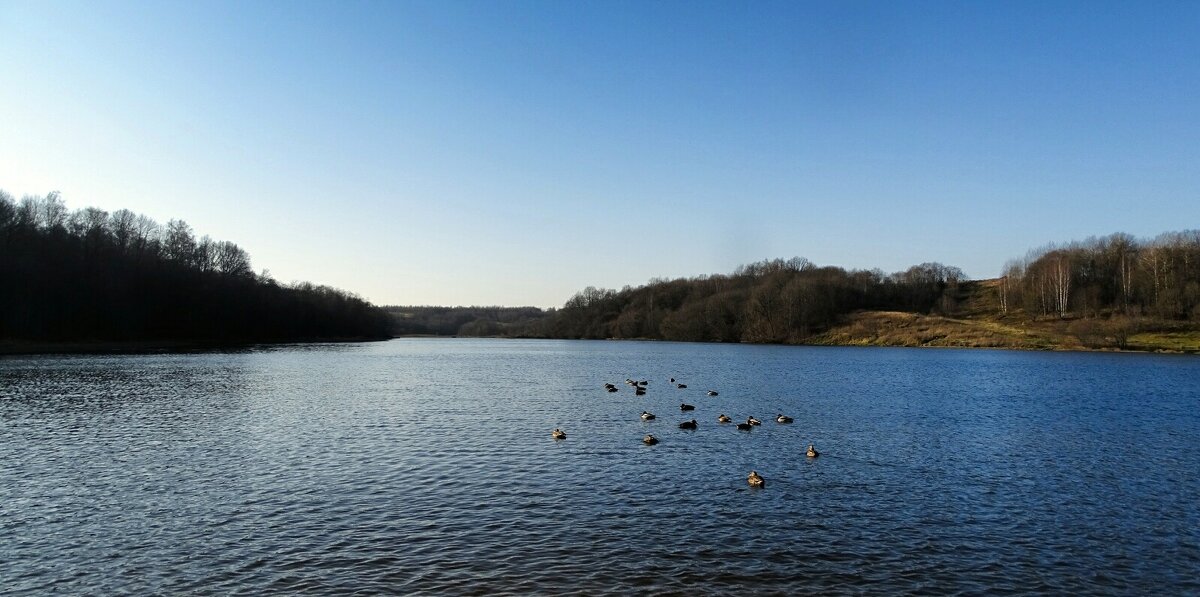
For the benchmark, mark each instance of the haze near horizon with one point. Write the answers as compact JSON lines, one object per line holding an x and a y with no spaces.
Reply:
{"x":514,"y":153}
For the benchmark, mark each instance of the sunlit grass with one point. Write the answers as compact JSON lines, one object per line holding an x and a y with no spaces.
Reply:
{"x":1181,"y":341}
{"x":977,"y":323}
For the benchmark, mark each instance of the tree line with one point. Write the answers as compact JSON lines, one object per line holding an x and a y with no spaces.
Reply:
{"x":92,"y":276}
{"x":467,"y":321}
{"x":771,"y":301}
{"x":1112,"y":275}
{"x":1106,"y":289}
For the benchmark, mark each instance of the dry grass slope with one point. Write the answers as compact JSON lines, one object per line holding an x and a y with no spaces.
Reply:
{"x":977,"y":323}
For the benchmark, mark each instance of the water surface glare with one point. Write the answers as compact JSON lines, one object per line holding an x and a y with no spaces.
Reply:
{"x":427,"y":466}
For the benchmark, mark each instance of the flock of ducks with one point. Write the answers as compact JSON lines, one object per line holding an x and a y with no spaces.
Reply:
{"x":753,"y":479}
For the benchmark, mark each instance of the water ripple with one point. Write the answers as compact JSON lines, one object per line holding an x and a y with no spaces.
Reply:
{"x":426,"y":467}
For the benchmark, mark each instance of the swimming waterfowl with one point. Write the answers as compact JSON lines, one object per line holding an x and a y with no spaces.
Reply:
{"x":646,"y":416}
{"x":558,"y":434}
{"x":649,"y":440}
{"x":643,"y":383}
{"x":640,"y":391}
{"x":688,"y":424}
{"x":756,"y":480}
{"x":753,"y":421}
{"x":681,"y":386}
{"x":686,"y":407}
{"x":712,"y":392}
{"x":723,"y":418}
{"x":812,"y":452}
{"x":744,"y":426}
{"x":783,"y":419}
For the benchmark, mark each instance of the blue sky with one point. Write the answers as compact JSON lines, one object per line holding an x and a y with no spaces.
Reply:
{"x":513,"y":153}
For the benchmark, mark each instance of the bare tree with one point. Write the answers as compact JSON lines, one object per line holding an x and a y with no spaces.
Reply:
{"x":205,"y":256}
{"x":1060,"y":281}
{"x":179,"y":243}
{"x":8,"y":210}
{"x":231,"y":260}
{"x":123,"y":223}
{"x":1010,"y":280}
{"x":52,"y":212}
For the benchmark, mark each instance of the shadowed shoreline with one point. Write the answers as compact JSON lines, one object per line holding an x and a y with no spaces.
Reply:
{"x":16,"y":348}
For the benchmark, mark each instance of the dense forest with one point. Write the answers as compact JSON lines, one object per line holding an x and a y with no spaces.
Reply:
{"x":769,"y":301}
{"x":1090,"y":294}
{"x":88,"y":276}
{"x":1117,"y":282}
{"x":467,"y":321}
{"x":1112,"y":275}
{"x":776,"y":301}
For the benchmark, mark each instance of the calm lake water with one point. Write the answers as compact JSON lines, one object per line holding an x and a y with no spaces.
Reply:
{"x":427,"y":466}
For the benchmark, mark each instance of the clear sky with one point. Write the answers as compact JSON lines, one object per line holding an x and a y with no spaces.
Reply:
{"x":513,"y":153}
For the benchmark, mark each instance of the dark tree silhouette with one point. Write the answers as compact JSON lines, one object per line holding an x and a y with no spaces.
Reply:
{"x":90,"y":276}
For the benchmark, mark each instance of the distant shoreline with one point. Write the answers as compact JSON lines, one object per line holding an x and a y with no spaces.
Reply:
{"x":1062,"y":348}
{"x":19,"y":348}
{"x":14,"y":348}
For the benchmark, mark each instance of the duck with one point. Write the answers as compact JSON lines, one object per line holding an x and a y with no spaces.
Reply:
{"x":672,"y":380}
{"x":755,"y":479}
{"x":723,"y":418}
{"x":611,"y":388}
{"x":783,"y":419}
{"x":744,"y":426}
{"x":649,"y":440}
{"x":681,"y":386}
{"x":688,"y":424}
{"x":644,"y":382}
{"x":712,"y":393}
{"x":640,"y":391}
{"x":558,"y":434}
{"x":753,"y":421}
{"x":686,"y":407}
{"x":812,"y":452}
{"x":647,"y":416}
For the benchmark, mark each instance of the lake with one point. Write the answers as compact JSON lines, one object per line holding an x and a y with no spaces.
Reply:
{"x":426,"y":466}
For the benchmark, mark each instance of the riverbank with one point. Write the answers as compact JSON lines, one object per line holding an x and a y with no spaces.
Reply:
{"x":889,"y":328}
{"x":13,"y":348}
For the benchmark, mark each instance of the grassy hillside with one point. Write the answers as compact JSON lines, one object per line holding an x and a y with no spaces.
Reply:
{"x":978,"y":323}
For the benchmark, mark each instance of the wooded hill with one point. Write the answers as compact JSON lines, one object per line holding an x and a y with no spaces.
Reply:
{"x":466,"y":321}
{"x":774,"y":301}
{"x":770,"y":301}
{"x":1109,"y":292}
{"x":88,"y":276}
